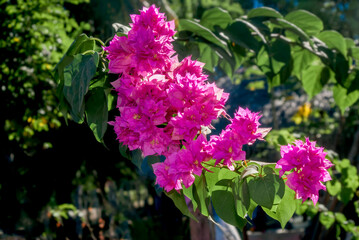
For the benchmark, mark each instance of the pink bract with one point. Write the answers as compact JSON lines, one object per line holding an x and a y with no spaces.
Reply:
{"x":309,"y":168}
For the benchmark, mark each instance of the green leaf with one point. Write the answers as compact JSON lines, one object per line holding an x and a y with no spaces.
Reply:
{"x":334,"y":187}
{"x":189,"y":192}
{"x":301,"y":60}
{"x":208,"y":56}
{"x":351,"y":83}
{"x":76,"y":45}
{"x":77,"y":77}
{"x":201,"y":194}
{"x":198,"y":29}
{"x":343,"y":99}
{"x":212,"y":178}
{"x":326,"y":219}
{"x":224,"y":203}
{"x":239,"y":33}
{"x":305,"y":20}
{"x":215,"y":16}
{"x":241,"y":196}
{"x":225,"y":173}
{"x":227,"y":68}
{"x":180,"y":203}
{"x":356,"y":205}
{"x":286,"y":207}
{"x":96,"y":112}
{"x":274,"y":60}
{"x":137,"y":158}
{"x":253,"y":205}
{"x":340,"y":217}
{"x":267,"y":190}
{"x":254,"y":28}
{"x":280,"y":53}
{"x":334,"y":40}
{"x":59,"y":69}
{"x":355,"y":53}
{"x":289,"y":26}
{"x":349,"y":43}
{"x":264,"y":12}
{"x":124,"y":151}
{"x":311,"y":80}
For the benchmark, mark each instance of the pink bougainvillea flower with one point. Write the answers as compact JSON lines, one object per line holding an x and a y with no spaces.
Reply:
{"x":147,"y":49}
{"x":119,"y":54}
{"x":163,"y":178}
{"x":292,"y":157}
{"x":246,"y":124}
{"x":226,"y":147}
{"x":309,"y":168}
{"x":188,"y":161}
{"x":191,"y":67}
{"x":306,"y":184}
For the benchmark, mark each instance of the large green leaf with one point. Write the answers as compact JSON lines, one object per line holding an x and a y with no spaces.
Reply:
{"x":327,"y":219}
{"x":198,"y":29}
{"x":311,"y":78}
{"x":81,"y":44}
{"x":344,"y":99}
{"x":334,"y":40}
{"x":351,"y":83}
{"x":263,"y":190}
{"x":334,"y":187}
{"x":208,"y":56}
{"x":264,"y":12}
{"x":201,"y":194}
{"x":77,"y":77}
{"x":224,"y":203}
{"x":190,"y":193}
{"x":256,"y":30}
{"x":305,"y":20}
{"x":76,"y":45}
{"x":216,"y":16}
{"x":239,"y":33}
{"x":280,"y":53}
{"x":211,"y":178}
{"x":286,"y":207}
{"x":241,"y":196}
{"x":96,"y":112}
{"x":302,"y":58}
{"x":289,"y":26}
{"x":275,"y":60}
{"x":180,"y":203}
{"x":355,"y":53}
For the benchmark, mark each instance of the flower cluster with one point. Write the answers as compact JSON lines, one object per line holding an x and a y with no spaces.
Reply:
{"x":147,"y":48}
{"x":243,"y":129}
{"x":164,"y":103}
{"x":309,"y":168}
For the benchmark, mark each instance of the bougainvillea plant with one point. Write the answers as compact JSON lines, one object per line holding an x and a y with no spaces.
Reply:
{"x":165,"y":108}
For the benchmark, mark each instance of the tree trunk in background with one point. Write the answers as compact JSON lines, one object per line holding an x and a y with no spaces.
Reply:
{"x":203,"y":229}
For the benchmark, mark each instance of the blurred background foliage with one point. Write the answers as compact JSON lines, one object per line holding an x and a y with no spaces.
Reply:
{"x":57,"y":181}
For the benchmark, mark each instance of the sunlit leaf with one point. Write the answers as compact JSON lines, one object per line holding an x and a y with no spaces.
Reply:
{"x":305,"y":20}
{"x":264,"y":12}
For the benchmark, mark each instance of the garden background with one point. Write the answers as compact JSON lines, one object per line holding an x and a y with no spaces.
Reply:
{"x":57,"y":181}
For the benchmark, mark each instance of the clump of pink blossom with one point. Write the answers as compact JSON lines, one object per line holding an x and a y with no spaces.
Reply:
{"x":163,"y":103}
{"x":180,"y":167}
{"x":147,"y":48}
{"x":309,"y":167}
{"x":243,"y":129}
